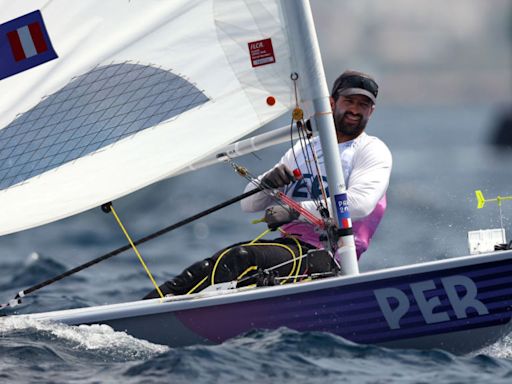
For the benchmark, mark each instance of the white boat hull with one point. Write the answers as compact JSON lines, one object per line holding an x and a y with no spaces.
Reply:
{"x":459,"y":305}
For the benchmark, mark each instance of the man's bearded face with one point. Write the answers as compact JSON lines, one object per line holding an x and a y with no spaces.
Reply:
{"x":348,"y":123}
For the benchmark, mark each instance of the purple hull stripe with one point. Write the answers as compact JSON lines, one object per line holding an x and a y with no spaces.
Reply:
{"x":354,"y":313}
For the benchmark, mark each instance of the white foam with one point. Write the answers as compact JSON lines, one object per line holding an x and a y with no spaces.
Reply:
{"x":32,"y":258}
{"x":502,"y":349}
{"x":96,"y":337}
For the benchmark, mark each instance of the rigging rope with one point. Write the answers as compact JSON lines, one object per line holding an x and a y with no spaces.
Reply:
{"x":304,"y":140}
{"x":17,"y":298}
{"x":110,"y":208}
{"x":307,"y":138}
{"x":278,"y":196}
{"x":294,"y":269}
{"x":281,"y":199}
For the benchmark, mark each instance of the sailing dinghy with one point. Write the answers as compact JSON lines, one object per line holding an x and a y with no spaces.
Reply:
{"x":106,"y":98}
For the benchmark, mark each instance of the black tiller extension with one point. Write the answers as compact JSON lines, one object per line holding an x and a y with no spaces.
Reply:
{"x":20,"y":294}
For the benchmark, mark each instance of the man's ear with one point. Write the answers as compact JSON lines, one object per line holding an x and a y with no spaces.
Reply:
{"x":332,"y":102}
{"x":371,"y":110}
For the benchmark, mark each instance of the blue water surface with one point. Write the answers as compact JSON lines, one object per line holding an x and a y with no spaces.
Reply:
{"x":440,"y":157}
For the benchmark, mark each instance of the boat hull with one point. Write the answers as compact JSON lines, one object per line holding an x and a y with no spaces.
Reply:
{"x":459,"y":305}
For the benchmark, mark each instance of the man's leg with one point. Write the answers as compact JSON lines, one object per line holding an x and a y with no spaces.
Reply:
{"x":241,"y":260}
{"x":185,"y":281}
{"x":242,"y":263}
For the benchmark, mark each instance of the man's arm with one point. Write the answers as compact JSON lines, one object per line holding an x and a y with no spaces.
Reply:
{"x":368,"y":180}
{"x":277,"y":175}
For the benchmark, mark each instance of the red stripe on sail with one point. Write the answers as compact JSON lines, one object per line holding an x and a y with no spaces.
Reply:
{"x":37,"y":37}
{"x":15,"y":43}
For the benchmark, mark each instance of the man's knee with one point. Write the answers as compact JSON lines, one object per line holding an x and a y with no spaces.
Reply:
{"x":185,"y":281}
{"x":199,"y":269}
{"x":231,"y":263}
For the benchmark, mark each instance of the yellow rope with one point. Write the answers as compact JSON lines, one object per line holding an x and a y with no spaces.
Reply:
{"x":300,"y":257}
{"x":136,"y":251}
{"x":251,"y":268}
{"x":286,"y":234}
{"x":196,"y":286}
{"x":289,"y":250}
{"x":256,"y":245}
{"x":227,"y":250}
{"x":217,"y":263}
{"x":260,"y":236}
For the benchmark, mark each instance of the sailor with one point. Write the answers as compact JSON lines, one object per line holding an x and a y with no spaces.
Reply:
{"x":366,"y":163}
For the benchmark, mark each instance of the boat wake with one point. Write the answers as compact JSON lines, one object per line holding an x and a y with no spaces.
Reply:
{"x":502,"y":349}
{"x":100,"y":341}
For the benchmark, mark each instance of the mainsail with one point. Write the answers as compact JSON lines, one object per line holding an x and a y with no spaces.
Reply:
{"x":138,"y":91}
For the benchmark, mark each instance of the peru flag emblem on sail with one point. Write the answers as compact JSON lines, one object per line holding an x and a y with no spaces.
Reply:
{"x":24,"y":44}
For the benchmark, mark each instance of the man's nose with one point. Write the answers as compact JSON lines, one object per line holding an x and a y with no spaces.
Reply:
{"x":355,"y":109}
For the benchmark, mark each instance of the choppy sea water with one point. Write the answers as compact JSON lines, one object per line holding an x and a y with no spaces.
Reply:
{"x":440,"y":157}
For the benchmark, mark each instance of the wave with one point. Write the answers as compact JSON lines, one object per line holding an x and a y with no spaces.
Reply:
{"x":34,"y":269}
{"x":258,"y":356}
{"x":502,"y":349}
{"x":314,"y":357}
{"x":93,"y":342}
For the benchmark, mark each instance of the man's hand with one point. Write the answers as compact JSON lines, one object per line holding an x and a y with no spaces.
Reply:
{"x":277,"y":215}
{"x":278,"y":177}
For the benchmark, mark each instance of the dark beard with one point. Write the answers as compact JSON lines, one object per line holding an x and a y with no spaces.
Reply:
{"x":351,"y":130}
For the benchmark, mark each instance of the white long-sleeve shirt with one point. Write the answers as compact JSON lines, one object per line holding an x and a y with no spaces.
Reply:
{"x":366,"y":163}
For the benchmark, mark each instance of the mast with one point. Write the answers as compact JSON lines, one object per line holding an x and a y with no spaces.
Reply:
{"x":308,"y":51}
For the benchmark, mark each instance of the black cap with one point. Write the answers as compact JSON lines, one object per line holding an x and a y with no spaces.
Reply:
{"x":355,"y":83}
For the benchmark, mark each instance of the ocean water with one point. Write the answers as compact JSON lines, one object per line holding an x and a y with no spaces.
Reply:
{"x":440,"y":157}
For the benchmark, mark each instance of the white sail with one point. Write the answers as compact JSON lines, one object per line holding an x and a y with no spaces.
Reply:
{"x":137,"y":91}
